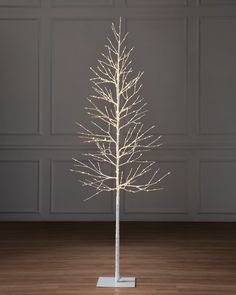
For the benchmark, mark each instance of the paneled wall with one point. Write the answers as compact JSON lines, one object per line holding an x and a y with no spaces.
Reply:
{"x":187,"y":49}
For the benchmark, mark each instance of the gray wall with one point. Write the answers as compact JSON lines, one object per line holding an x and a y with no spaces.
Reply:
{"x":187,"y":50}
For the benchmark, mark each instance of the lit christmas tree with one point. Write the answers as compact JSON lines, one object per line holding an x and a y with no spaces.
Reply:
{"x":116,"y":110}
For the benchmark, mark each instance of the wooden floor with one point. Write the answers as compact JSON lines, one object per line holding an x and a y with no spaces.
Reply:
{"x":166,"y":258}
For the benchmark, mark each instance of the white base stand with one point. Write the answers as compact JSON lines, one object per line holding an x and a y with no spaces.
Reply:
{"x":128,"y":282}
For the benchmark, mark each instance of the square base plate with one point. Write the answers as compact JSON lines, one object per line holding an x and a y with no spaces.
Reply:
{"x":125,"y":282}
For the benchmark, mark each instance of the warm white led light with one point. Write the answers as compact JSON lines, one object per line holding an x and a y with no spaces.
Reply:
{"x":116,"y":109}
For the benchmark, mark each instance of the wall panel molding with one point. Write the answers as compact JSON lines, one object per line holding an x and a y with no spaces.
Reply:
{"x":14,"y":182}
{"x":219,"y":103}
{"x":156,"y":3}
{"x":83,"y":3}
{"x":14,"y":57}
{"x":221,"y":191}
{"x":183,"y":130}
{"x":86,"y":207}
{"x":172,"y":177}
{"x":217,"y":2}
{"x":69,"y":21}
{"x":20,"y":3}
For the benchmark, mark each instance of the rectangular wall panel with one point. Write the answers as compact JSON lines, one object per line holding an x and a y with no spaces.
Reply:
{"x":68,"y":194}
{"x":173,"y":198}
{"x":19,"y":74}
{"x":161,"y":52}
{"x":82,"y":3}
{"x":217,"y":2}
{"x":217,"y":75}
{"x":19,"y":186}
{"x":156,"y":3}
{"x":76,"y":46}
{"x":217,"y":187}
{"x":20,"y":3}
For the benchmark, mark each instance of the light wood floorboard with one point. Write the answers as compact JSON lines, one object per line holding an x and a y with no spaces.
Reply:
{"x":166,"y":258}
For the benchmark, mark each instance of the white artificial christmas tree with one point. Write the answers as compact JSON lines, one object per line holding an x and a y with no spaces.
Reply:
{"x":116,"y":110}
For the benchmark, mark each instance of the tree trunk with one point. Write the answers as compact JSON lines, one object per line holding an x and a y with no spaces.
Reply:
{"x":117,"y":244}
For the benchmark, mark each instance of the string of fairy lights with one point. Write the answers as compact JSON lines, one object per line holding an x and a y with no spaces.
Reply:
{"x":116,"y":110}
